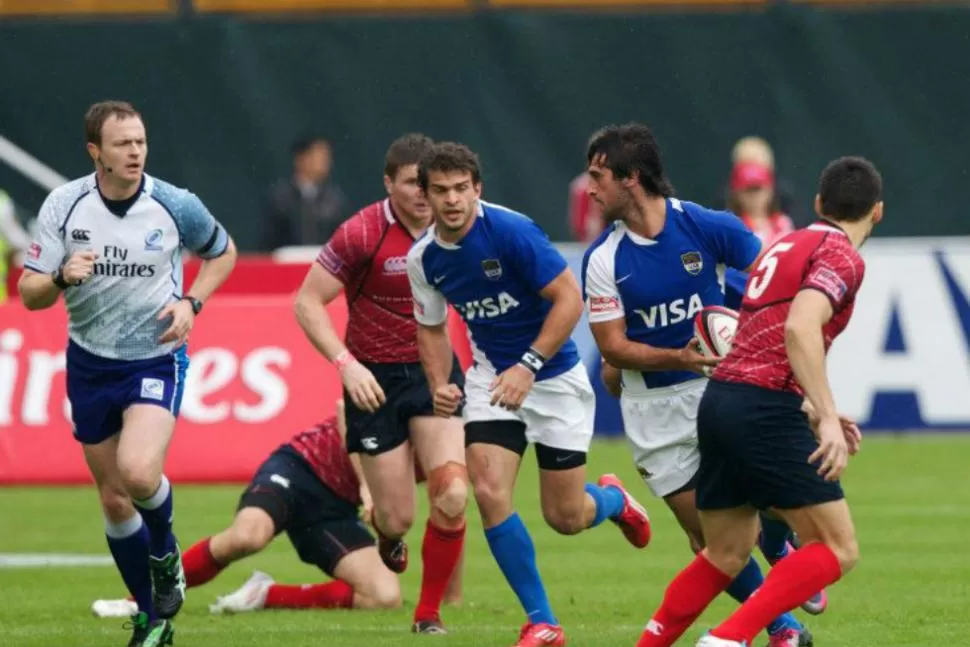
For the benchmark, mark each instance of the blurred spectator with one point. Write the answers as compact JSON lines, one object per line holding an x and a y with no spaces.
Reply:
{"x":753,"y":199}
{"x":307,"y":207}
{"x":585,"y":219}
{"x":756,"y":150}
{"x":13,"y":240}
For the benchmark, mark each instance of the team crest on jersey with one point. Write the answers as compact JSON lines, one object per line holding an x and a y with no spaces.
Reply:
{"x":153,"y":241}
{"x":493,"y":269}
{"x":693,"y":262}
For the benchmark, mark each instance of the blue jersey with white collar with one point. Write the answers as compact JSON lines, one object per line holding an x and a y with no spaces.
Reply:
{"x":658,"y":285}
{"x":492,"y":277}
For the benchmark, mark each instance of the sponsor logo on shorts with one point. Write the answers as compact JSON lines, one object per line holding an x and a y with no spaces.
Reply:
{"x":34,"y":251}
{"x":418,"y":307}
{"x":603,"y":304}
{"x":282,"y":481}
{"x":152,"y":388}
{"x":370,"y":444}
{"x":830,"y":282}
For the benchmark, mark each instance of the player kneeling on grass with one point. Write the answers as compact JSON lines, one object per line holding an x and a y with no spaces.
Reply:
{"x":309,"y":487}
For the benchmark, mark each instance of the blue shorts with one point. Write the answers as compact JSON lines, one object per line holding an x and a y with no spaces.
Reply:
{"x":100,"y":389}
{"x":754,"y":446}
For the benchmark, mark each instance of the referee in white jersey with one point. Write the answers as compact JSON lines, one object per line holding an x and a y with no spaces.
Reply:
{"x":112,"y":243}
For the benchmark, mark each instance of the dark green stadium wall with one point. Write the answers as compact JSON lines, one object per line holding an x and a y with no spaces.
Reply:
{"x":224,"y":96}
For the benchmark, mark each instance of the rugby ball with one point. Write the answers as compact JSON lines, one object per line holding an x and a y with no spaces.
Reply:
{"x":714,"y":328}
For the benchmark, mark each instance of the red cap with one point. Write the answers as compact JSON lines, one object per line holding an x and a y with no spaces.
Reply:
{"x":747,"y":175}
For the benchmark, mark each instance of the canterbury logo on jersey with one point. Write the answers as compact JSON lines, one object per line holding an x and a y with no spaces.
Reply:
{"x":487,"y":308}
{"x":666,"y":314}
{"x":396,"y":265}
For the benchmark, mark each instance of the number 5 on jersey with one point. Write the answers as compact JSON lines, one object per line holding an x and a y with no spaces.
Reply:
{"x":765,"y":271}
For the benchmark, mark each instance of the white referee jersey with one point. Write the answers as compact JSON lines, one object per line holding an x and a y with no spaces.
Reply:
{"x":114,"y":314}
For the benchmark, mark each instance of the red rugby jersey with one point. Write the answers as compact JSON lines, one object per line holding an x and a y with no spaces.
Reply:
{"x":368,"y":253}
{"x":323,"y":449}
{"x":820,"y":257}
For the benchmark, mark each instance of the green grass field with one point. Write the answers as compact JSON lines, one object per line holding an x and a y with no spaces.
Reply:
{"x":909,"y":496}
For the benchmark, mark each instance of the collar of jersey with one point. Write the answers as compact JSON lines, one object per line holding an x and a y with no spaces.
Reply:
{"x":114,"y":205}
{"x":479,"y":212}
{"x":827,"y":225}
{"x":672,"y":204}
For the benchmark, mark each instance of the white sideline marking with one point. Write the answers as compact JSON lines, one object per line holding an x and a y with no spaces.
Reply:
{"x":40,"y":560}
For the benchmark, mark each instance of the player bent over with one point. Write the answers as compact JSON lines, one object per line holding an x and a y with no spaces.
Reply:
{"x":390,"y":414}
{"x":112,"y":243}
{"x":645,"y":278}
{"x":759,"y":449}
{"x":520,"y":302}
{"x":309,"y":488}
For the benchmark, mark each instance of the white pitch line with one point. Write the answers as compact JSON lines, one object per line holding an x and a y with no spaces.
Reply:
{"x":43,"y":560}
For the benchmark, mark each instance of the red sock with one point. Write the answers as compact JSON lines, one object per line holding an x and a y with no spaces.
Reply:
{"x":199,"y":564}
{"x":332,"y":595}
{"x":685,"y":600}
{"x":440,"y":553}
{"x":790,"y":583}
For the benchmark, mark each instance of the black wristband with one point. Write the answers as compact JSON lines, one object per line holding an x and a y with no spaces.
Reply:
{"x":58,"y":279}
{"x":195,"y":303}
{"x":533,"y":360}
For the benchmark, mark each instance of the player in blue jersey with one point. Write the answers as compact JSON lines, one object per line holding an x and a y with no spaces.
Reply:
{"x":111,"y":243}
{"x":644,"y":279}
{"x":521,"y":303}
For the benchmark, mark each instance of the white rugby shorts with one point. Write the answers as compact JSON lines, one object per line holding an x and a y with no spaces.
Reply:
{"x":558,"y":412}
{"x":661,"y":426}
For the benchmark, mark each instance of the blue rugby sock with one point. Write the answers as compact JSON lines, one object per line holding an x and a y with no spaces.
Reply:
{"x":157,"y":511}
{"x":747,"y":582}
{"x":775,"y":535}
{"x":128,"y":542}
{"x":609,"y":502}
{"x":515,"y":553}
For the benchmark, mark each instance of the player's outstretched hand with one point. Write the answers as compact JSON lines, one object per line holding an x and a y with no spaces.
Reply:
{"x":510,"y":388}
{"x":446,"y":400}
{"x":362,"y":386}
{"x":79,"y":267}
{"x":833,"y":450}
{"x":692,"y":360}
{"x":182,"y":317}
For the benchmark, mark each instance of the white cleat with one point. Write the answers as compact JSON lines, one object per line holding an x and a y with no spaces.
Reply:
{"x":707,"y":640}
{"x":114,"y":608}
{"x":251,"y":596}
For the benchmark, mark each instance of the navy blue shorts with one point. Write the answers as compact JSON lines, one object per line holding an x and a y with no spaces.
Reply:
{"x":754,"y":446}
{"x":101,"y":389}
{"x":407,"y":394}
{"x":322,"y":527}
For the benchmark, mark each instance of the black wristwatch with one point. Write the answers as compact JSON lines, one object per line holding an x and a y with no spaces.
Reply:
{"x":196,"y":304}
{"x":58,"y":278}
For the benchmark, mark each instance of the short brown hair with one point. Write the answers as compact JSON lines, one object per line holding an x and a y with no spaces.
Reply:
{"x":448,"y":157}
{"x":99,"y":113}
{"x":404,"y":151}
